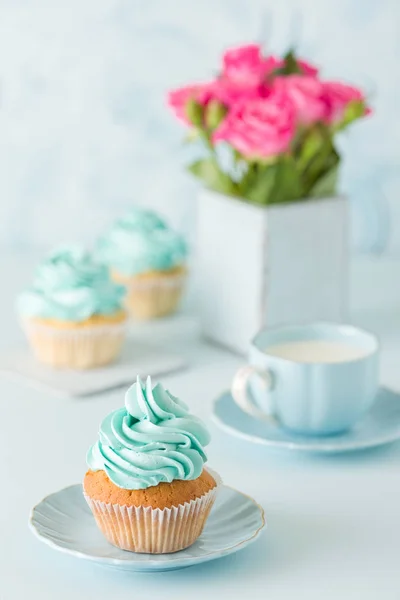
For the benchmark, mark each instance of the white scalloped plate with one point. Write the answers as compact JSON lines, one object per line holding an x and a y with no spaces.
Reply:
{"x":64,"y":522}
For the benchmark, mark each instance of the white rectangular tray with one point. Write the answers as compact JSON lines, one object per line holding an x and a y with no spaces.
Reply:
{"x":137,"y":358}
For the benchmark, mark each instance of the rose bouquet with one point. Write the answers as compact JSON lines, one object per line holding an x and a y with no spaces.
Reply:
{"x":267,"y":126}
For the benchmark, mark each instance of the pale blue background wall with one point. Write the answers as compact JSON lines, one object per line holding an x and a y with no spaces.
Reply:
{"x":84,"y":130}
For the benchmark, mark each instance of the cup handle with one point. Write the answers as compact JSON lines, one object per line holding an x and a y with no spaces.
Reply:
{"x":242,"y":397}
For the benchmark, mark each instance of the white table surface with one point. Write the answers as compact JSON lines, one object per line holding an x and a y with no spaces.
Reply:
{"x":333,"y":522}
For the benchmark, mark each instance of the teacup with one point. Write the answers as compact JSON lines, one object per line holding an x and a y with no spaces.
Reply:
{"x":316,"y":379}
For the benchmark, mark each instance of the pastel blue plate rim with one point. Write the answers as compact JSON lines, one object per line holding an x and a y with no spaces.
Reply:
{"x":43,"y":517}
{"x":381,"y":426}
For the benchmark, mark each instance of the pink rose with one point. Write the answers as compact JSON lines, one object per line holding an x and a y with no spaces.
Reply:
{"x":337,"y":96}
{"x":246,"y":66}
{"x":223,"y":91}
{"x":307,"y":68}
{"x":271,"y":63}
{"x":258,"y":128}
{"x":177,"y":99}
{"x":305,"y":94}
{"x":229,"y":92}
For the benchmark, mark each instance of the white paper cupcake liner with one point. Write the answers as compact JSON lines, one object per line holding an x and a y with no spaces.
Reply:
{"x":152,"y":296}
{"x":75,"y":348}
{"x":154,"y":531}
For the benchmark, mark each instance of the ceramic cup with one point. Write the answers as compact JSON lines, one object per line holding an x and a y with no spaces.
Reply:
{"x":314,"y":397}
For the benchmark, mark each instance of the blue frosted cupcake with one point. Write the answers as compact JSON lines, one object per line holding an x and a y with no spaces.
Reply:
{"x":146,"y":484}
{"x":149,"y":259}
{"x":73,"y":312}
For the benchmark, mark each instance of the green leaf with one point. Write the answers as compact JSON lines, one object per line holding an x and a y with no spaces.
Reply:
{"x":326,"y":184}
{"x":194,"y":112}
{"x":214,"y":114}
{"x":290,"y":65}
{"x":324,"y":158}
{"x":258,"y":183}
{"x":208,"y":171}
{"x":287,"y":183}
{"x":272,"y":184}
{"x":309,"y":145}
{"x":354,"y":110}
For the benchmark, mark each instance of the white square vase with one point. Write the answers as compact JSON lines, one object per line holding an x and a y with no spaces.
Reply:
{"x":268,"y":266}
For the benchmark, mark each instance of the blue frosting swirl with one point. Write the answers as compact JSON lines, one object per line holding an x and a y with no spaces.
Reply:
{"x":141,"y":218}
{"x":141,"y":242}
{"x":153,"y":439}
{"x":70,"y":285}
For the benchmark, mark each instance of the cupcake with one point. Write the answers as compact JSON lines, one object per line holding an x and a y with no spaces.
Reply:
{"x":148,"y":258}
{"x":146,"y":484}
{"x":73,"y":314}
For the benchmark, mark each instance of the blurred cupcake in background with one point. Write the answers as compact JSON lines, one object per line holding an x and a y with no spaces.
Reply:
{"x":73,"y":313}
{"x":149,"y":259}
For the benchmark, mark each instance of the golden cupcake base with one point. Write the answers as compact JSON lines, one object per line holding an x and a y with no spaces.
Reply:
{"x":156,"y":526}
{"x":154,"y":294}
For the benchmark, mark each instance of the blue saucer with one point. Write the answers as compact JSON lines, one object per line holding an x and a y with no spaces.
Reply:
{"x":380,"y":426}
{"x":63,"y":521}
